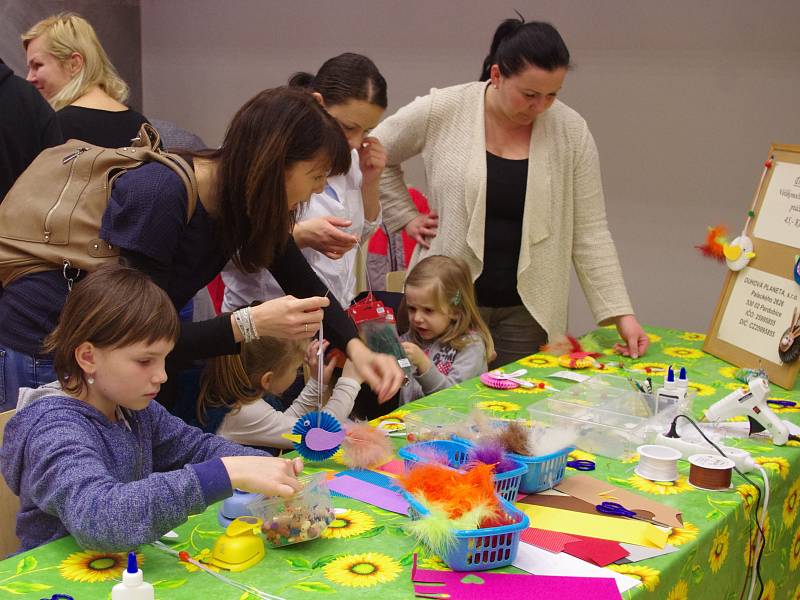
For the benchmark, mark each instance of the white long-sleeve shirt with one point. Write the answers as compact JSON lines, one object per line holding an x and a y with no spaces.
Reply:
{"x":258,"y":424}
{"x":340,"y":198}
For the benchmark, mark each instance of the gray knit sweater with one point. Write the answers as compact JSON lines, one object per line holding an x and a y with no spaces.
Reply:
{"x":450,"y":366}
{"x":112,"y":486}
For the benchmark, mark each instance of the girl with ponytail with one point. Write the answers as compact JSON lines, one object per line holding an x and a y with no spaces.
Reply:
{"x":515,"y":191}
{"x":239,"y":393}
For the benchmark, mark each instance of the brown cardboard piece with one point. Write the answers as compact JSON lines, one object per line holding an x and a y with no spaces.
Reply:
{"x":594,"y":492}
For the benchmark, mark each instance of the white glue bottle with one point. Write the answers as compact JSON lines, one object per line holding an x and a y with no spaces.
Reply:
{"x":133,"y":586}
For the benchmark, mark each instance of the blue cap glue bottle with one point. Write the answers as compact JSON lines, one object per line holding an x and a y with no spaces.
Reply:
{"x":133,"y":586}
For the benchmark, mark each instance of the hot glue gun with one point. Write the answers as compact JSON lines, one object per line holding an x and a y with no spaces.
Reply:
{"x":751,"y":403}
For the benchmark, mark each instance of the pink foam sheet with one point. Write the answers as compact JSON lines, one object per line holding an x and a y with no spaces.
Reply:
{"x":485,"y":585}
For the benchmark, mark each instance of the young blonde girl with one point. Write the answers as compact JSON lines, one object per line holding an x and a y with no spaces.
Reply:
{"x":92,"y":455}
{"x":239,"y":393}
{"x":447,"y":341}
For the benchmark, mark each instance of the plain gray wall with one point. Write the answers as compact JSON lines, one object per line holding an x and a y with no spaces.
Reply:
{"x":117,"y":23}
{"x":683,"y":98}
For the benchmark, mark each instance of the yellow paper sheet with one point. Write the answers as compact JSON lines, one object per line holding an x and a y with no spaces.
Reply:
{"x":630,"y":531}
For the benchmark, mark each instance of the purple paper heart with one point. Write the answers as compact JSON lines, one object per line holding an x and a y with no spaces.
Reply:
{"x":319,"y":439}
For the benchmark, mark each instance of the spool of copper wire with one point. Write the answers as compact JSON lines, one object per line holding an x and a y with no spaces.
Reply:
{"x":710,"y":471}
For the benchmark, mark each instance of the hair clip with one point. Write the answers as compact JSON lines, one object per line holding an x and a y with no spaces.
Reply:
{"x":457,"y":299}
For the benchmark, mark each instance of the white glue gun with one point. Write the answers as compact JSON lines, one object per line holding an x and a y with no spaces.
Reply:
{"x":751,"y":403}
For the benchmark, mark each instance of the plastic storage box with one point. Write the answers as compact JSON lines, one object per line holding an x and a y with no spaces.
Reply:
{"x":432,"y":424}
{"x":302,"y":517}
{"x":481,"y":549}
{"x":604,"y":415}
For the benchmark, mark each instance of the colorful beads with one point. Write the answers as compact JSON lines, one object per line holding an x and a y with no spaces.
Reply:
{"x":298,"y":523}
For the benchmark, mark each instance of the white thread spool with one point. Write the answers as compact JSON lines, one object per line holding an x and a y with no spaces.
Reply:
{"x":657,"y":463}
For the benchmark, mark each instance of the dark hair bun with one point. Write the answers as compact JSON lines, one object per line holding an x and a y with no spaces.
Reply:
{"x":301,"y":79}
{"x":517,"y":44}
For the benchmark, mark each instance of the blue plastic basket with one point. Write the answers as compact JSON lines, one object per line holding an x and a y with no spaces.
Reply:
{"x":481,"y":549}
{"x":505,"y":484}
{"x":544,"y":472}
{"x":456,"y":452}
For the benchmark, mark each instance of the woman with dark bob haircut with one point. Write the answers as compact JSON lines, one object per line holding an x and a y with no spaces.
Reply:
{"x":278,"y":150}
{"x":514,"y":186}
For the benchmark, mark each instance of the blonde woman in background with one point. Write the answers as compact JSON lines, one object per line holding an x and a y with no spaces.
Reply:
{"x":67,"y":64}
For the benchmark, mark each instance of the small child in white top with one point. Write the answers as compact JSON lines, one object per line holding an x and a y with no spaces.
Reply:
{"x":448,"y":341}
{"x":238,"y":393}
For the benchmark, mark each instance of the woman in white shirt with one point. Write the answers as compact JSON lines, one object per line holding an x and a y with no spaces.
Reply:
{"x":347,"y":212}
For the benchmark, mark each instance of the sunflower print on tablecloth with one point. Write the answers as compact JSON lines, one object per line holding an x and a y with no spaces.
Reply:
{"x":647,"y":575}
{"x":776,"y":463}
{"x":606,"y":370}
{"x":749,"y":493}
{"x":203,"y":556}
{"x":497,"y":406}
{"x":654,"y":338}
{"x":650,"y":368}
{"x":660,"y":488}
{"x":388,"y":422}
{"x":690,"y":336}
{"x":796,"y":594}
{"x":702,"y":389}
{"x":750,"y":548}
{"x":362,"y":570}
{"x":539,"y":361}
{"x":790,"y":504}
{"x":719,"y":550}
{"x":679,"y":592}
{"x":683,"y":353}
{"x":581,"y":455}
{"x":349,"y":524}
{"x":92,"y":567}
{"x":794,"y":551}
{"x":433,"y":562}
{"x":682,"y":535}
{"x":728,"y":372}
{"x":769,"y":591}
{"x":539,"y":387}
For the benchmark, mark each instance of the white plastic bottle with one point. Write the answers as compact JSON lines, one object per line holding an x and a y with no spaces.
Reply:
{"x":133,"y":586}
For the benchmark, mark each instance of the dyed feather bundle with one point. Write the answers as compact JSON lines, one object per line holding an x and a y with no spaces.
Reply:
{"x":456,"y":492}
{"x":716,"y":238}
{"x":491,"y":453}
{"x":564,"y":344}
{"x":514,"y":438}
{"x":547,"y":440}
{"x":365,"y":446}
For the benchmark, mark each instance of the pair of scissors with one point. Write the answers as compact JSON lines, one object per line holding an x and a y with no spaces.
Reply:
{"x":581,"y":465}
{"x":60,"y":597}
{"x":616,"y":509}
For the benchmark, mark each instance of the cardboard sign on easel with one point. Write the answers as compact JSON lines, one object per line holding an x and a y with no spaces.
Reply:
{"x":757,"y":303}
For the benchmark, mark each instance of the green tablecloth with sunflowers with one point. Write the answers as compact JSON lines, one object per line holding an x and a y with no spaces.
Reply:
{"x":366,"y":552}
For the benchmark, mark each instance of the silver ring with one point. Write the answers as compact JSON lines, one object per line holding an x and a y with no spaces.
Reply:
{"x":306,"y":326}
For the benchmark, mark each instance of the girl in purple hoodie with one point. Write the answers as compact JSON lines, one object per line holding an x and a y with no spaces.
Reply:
{"x":92,"y":455}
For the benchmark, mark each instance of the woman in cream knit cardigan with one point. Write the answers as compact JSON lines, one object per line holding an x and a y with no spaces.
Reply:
{"x":515,"y":190}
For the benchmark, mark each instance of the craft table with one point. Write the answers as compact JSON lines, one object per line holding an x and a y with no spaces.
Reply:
{"x":365,"y":552}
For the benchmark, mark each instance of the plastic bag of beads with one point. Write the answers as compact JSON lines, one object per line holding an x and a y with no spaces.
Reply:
{"x":299,"y":518}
